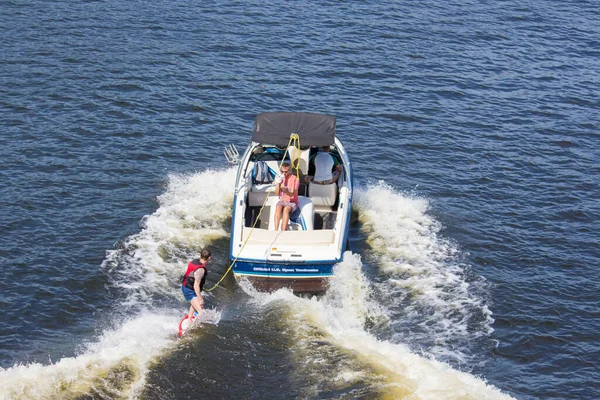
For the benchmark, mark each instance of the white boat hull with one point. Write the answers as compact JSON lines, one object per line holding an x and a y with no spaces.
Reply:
{"x":302,"y":259}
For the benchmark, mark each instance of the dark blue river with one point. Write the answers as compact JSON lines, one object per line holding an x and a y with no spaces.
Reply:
{"x":473,"y":128}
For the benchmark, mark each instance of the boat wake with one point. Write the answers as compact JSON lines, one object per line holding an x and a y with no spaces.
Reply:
{"x":336,"y":351}
{"x":435,"y":303}
{"x":108,"y":368}
{"x":192,"y":214}
{"x":143,"y":272}
{"x":398,"y":332}
{"x":369,"y":334}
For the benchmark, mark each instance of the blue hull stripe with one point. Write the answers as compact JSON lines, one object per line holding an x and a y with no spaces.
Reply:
{"x":283,"y":270}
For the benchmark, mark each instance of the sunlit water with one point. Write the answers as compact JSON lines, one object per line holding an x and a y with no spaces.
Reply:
{"x":473,"y":133}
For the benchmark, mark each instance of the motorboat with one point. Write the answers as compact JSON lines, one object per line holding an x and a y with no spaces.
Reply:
{"x":302,"y":257}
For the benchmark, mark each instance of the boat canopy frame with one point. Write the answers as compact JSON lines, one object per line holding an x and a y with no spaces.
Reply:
{"x":275,"y":128}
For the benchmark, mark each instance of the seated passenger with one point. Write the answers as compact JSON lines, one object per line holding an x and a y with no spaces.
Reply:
{"x":287,"y":190}
{"x":324,"y":165}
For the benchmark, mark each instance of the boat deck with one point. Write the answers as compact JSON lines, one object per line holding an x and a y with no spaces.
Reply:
{"x":322,"y":219}
{"x":322,"y":237}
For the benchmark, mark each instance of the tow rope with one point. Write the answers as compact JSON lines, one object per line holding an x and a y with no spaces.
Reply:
{"x":294,"y":141}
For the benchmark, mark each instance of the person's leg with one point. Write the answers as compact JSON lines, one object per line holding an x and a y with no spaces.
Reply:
{"x":196,"y":303}
{"x":278,"y":216}
{"x":286,"y":217}
{"x":189,"y":295}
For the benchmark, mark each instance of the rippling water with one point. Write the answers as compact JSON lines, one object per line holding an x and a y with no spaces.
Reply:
{"x":473,"y":128}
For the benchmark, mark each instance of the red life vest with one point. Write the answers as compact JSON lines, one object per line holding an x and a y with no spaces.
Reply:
{"x":188,"y":278}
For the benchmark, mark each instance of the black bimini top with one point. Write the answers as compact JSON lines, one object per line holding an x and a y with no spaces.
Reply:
{"x":276,"y":127}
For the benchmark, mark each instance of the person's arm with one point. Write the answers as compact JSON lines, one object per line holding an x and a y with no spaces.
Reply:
{"x":281,"y":187}
{"x":278,"y":188}
{"x":289,"y":192}
{"x":198,"y":275}
{"x":336,"y":163}
{"x":296,"y":187}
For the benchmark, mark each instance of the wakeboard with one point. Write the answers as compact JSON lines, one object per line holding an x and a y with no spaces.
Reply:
{"x":186,"y":323}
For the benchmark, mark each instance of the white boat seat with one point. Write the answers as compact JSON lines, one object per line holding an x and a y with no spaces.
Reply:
{"x":263,"y":187}
{"x":259,"y":192}
{"x":299,"y":159}
{"x":304,"y":221}
{"x":322,"y":196}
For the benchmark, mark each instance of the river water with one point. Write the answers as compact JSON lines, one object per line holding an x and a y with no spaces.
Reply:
{"x":473,"y":130}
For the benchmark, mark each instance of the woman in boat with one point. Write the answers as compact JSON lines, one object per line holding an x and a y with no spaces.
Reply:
{"x":287,"y":190}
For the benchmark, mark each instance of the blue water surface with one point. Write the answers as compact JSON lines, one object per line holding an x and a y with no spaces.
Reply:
{"x":490,"y":110}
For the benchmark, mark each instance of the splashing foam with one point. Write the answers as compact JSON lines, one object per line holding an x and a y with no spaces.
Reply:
{"x":339,"y":317}
{"x":117,"y":363}
{"x":433,"y":302}
{"x":147,"y":265}
{"x":189,"y":217}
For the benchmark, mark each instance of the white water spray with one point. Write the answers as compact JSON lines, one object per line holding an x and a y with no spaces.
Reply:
{"x":435,"y":300}
{"x":115,"y":365}
{"x":339,"y":318}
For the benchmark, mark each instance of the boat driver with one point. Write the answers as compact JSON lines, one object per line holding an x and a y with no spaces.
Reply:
{"x":325,"y":173}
